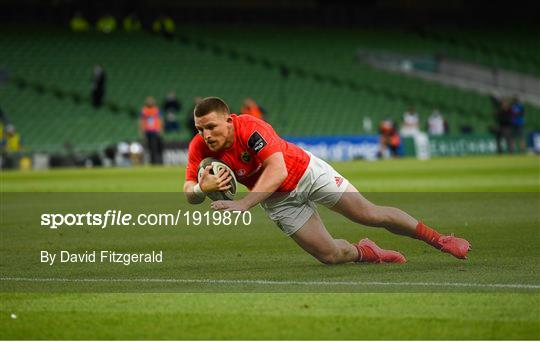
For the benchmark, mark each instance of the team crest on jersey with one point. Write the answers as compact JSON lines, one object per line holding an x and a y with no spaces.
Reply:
{"x":245,"y":157}
{"x":338,"y":180}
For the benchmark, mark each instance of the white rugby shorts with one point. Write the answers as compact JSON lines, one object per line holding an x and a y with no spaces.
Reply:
{"x":320,"y":184}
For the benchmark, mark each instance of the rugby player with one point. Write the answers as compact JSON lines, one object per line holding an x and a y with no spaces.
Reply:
{"x":287,"y":182}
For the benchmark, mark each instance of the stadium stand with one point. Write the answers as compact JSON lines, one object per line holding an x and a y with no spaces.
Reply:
{"x":52,"y":124}
{"x":310,"y":84}
{"x":515,"y":49}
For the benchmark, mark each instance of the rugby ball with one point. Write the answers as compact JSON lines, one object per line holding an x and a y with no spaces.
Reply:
{"x":216,"y":166}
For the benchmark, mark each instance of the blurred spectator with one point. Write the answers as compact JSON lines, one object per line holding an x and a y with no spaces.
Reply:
{"x":503,"y":130}
{"x":171,"y":123}
{"x":190,"y":120}
{"x":78,"y":23}
{"x":251,"y":107}
{"x":98,"y":86}
{"x":132,"y":23}
{"x":518,"y":121}
{"x":164,"y":25}
{"x":151,"y":128}
{"x":106,"y":24}
{"x":495,"y":101}
{"x":411,"y":123}
{"x":389,"y":139}
{"x":367,"y":124}
{"x":171,"y":106}
{"x":437,"y":125}
{"x":169,"y":26}
{"x":110,"y":155}
{"x":12,"y":146}
{"x":171,"y":103}
{"x":12,"y":141}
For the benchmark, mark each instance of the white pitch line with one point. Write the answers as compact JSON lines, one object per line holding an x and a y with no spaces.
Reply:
{"x":268,"y":282}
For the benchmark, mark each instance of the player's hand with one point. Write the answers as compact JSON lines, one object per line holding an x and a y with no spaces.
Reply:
{"x":212,"y":183}
{"x":229,"y":206}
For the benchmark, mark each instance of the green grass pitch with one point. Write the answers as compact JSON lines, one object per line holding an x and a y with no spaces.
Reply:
{"x":254,"y":283}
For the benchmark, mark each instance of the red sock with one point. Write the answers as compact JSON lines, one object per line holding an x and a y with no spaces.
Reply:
{"x":427,"y":234}
{"x":366,"y":254}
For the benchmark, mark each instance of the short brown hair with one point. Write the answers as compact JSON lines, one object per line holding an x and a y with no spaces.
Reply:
{"x":209,"y":105}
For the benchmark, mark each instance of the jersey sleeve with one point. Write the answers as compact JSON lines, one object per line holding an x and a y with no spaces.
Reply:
{"x":261,"y":139}
{"x":194,"y":159}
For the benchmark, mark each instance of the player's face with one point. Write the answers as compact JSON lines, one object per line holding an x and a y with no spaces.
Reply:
{"x":216,"y":129}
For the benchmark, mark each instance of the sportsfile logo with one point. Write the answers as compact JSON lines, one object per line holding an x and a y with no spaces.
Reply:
{"x":104,"y":220}
{"x":119,"y":218}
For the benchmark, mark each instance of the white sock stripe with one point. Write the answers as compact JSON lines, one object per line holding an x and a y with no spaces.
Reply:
{"x":270,"y":282}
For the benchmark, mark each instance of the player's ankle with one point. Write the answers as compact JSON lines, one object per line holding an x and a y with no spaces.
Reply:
{"x":366,"y":254}
{"x":427,"y":234}
{"x":360,"y":254}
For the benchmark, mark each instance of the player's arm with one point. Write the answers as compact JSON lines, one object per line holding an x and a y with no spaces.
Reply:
{"x":196,"y":192}
{"x":273,"y":174}
{"x":192,"y":189}
{"x":261,"y":138}
{"x":192,"y":196}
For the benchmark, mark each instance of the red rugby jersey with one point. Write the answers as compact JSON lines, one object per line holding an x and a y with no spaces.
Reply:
{"x":254,"y":141}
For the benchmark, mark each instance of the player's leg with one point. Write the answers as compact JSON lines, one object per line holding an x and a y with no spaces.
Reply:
{"x":315,"y":239}
{"x":336,"y":193}
{"x":358,"y":209}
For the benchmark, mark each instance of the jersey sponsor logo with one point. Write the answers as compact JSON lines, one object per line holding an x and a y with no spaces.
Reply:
{"x":256,"y":142}
{"x":245,"y":157}
{"x":338,"y":180}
